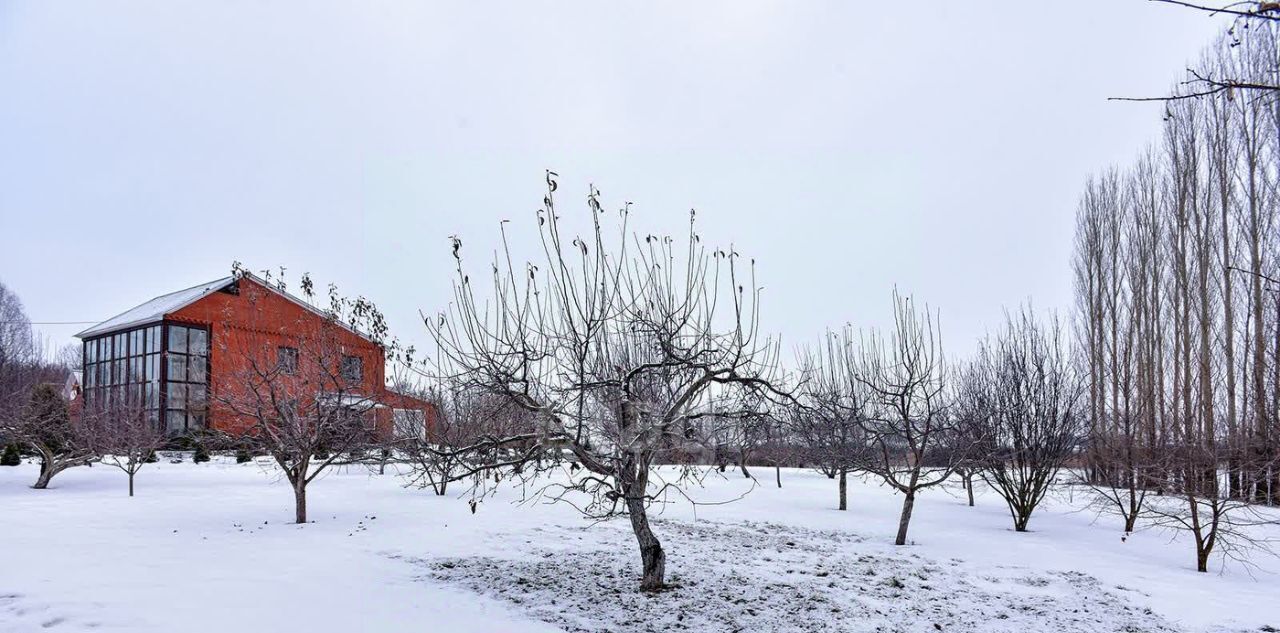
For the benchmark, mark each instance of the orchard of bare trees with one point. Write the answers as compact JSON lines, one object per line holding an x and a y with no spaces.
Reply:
{"x":613,"y":370}
{"x":879,"y":403}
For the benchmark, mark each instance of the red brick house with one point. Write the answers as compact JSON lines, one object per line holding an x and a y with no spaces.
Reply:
{"x":181,"y":357}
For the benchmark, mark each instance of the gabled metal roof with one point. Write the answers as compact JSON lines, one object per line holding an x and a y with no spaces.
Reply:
{"x":154,"y":310}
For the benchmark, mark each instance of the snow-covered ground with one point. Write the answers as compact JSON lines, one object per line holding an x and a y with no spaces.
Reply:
{"x":209,"y":548}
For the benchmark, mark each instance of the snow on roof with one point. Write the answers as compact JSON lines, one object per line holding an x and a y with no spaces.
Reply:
{"x":155,"y":309}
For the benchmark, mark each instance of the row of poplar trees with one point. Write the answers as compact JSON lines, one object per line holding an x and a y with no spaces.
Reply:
{"x":1178,"y":293}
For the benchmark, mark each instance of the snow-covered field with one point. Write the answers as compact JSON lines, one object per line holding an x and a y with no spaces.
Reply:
{"x":209,"y":548}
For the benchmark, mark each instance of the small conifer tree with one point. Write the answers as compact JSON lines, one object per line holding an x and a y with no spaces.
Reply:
{"x":202,"y":453}
{"x":10,"y":457}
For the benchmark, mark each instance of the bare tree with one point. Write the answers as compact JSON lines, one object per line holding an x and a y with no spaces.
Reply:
{"x":1121,"y":265}
{"x":757,"y":424}
{"x":300,"y":392}
{"x":1217,"y":522}
{"x":832,"y":422}
{"x":616,"y":346}
{"x":125,"y":436}
{"x":33,"y":412}
{"x":46,"y":427}
{"x":17,"y":344}
{"x":1019,"y":401}
{"x":1248,"y":19}
{"x":474,"y":432}
{"x":915,"y":441}
{"x":781,"y":449}
{"x":18,"y":358}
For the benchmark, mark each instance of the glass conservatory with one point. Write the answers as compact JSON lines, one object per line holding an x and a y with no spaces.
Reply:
{"x":160,"y":370}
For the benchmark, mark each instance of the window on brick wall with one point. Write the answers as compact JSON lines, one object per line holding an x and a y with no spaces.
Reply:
{"x":287,"y":360}
{"x":352,"y":369}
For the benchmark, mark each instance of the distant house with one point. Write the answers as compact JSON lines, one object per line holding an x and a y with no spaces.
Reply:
{"x":173,"y":356}
{"x":72,"y":388}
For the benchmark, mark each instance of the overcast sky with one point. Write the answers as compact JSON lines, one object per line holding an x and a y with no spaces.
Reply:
{"x":940,"y":147}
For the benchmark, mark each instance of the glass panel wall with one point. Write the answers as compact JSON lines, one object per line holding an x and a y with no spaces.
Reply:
{"x":122,"y":371}
{"x":130,"y":370}
{"x":186,"y":379}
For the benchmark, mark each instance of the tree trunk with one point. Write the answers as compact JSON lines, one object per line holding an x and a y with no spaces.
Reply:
{"x":1274,"y":485}
{"x":49,"y":466}
{"x":1228,"y":327}
{"x":777,"y":471}
{"x":46,"y":473}
{"x":300,"y":501}
{"x":652,"y":557}
{"x":844,"y":489}
{"x":131,"y":473}
{"x":743,"y":466}
{"x":1020,"y":520}
{"x":1202,"y":559}
{"x":968,"y":486}
{"x":907,"y":505}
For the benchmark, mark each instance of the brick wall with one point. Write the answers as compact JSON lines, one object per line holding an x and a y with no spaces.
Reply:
{"x":249,"y":327}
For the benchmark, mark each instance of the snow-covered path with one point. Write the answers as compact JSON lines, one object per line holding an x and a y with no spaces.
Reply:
{"x":208,"y":548}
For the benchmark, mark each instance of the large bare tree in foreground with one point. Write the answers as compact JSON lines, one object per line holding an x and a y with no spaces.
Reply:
{"x":618,"y":344}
